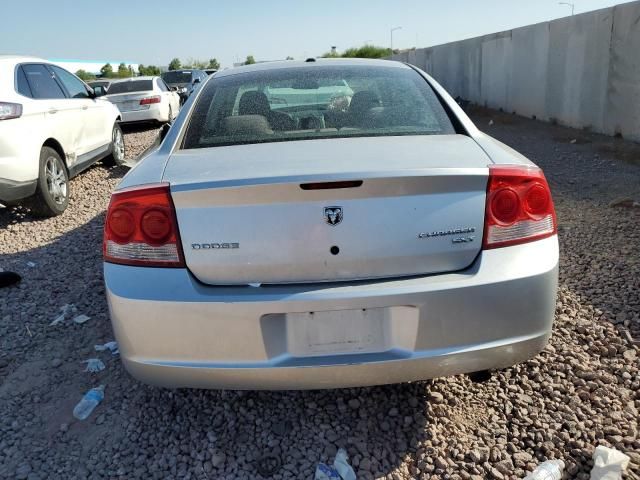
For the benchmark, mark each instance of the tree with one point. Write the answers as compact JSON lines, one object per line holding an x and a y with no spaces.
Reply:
{"x":84,"y":75}
{"x":150,"y":70}
{"x":175,"y":64}
{"x":250,"y":60}
{"x":195,"y":63}
{"x":123,"y":71}
{"x":214,"y":63}
{"x":106,"y":70}
{"x":366,"y":51}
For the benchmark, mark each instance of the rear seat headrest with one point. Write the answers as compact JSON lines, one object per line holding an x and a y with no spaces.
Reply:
{"x":247,"y":125}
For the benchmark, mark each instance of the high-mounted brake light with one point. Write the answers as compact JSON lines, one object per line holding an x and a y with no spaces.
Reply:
{"x":141,"y":228}
{"x":150,"y":100}
{"x":519,"y":207}
{"x":10,"y":110}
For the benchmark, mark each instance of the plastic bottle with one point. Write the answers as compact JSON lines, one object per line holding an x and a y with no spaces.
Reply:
{"x":90,"y":401}
{"x":549,"y":470}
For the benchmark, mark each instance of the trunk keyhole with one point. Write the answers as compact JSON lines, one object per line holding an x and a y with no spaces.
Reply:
{"x":334,"y":250}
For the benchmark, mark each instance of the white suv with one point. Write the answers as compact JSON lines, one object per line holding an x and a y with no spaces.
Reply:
{"x":52,"y":127}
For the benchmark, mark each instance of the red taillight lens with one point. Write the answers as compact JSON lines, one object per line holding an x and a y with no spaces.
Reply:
{"x":150,"y":100}
{"x":519,"y":206}
{"x":141,"y":228}
{"x":10,"y":110}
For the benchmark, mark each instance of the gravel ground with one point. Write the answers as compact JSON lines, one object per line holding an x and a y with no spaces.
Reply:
{"x":583,"y":390}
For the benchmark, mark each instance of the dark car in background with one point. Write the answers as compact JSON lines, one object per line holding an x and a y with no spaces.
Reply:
{"x":184,"y":81}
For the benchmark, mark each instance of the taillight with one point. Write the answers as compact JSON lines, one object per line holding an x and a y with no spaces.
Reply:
{"x":10,"y":110}
{"x":519,"y":206}
{"x":141,"y":228}
{"x":150,"y":100}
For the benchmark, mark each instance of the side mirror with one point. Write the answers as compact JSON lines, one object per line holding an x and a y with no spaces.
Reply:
{"x":91,"y":92}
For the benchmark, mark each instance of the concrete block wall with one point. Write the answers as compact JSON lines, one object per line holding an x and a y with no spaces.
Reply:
{"x":581,"y":71}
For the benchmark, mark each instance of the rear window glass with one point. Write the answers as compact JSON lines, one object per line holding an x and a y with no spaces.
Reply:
{"x":304,"y":103}
{"x":177,"y":77}
{"x":131,"y":86}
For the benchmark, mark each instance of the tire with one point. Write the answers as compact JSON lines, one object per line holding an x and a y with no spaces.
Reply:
{"x":117,"y":147}
{"x":52,"y":193}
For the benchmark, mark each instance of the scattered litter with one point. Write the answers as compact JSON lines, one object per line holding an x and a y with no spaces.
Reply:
{"x":549,"y":470}
{"x":64,"y":310}
{"x":490,"y":122}
{"x":340,"y":470}
{"x":31,"y":264}
{"x":90,"y":401}
{"x":81,"y":319}
{"x":111,"y":346}
{"x":94,"y":365}
{"x":29,"y":331}
{"x":573,"y":141}
{"x":608,"y":464}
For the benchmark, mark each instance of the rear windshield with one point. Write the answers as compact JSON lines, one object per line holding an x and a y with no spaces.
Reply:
{"x":177,"y":77}
{"x":131,"y":86}
{"x":305,"y":103}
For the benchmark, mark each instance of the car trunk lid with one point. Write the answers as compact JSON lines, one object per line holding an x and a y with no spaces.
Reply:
{"x":330,"y":210}
{"x":127,"y":102}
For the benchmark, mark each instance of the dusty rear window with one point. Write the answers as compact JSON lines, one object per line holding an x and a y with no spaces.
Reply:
{"x":131,"y":86}
{"x":305,"y":103}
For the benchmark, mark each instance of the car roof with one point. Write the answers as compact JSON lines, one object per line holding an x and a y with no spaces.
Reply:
{"x":362,"y":62}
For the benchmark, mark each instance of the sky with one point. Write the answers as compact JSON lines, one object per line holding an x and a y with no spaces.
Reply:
{"x":154,"y":32}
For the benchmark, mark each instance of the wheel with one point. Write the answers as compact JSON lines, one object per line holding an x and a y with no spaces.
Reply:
{"x":117,"y":147}
{"x":52,"y":193}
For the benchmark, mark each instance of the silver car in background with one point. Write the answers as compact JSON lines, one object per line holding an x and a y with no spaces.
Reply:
{"x":374,"y":240}
{"x":144,"y":99}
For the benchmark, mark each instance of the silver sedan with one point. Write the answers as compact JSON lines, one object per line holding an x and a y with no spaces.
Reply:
{"x":328,"y":224}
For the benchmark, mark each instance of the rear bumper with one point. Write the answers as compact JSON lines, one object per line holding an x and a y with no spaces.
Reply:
{"x":155,"y":113}
{"x":173,"y":331}
{"x":12,"y":191}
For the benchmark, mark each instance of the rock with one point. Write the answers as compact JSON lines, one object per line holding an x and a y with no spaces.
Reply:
{"x":22,"y":472}
{"x":354,"y":404}
{"x":365,"y":465}
{"x":495,"y":473}
{"x":521,"y":458}
{"x":435,"y":397}
{"x":56,"y":362}
{"x":218,"y":459}
{"x":474,"y":456}
{"x":442,"y":463}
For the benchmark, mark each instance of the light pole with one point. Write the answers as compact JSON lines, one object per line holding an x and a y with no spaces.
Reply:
{"x":393,"y":30}
{"x":572,"y":5}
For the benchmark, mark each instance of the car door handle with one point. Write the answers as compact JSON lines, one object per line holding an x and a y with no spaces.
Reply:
{"x":53,"y":110}
{"x":84,"y":107}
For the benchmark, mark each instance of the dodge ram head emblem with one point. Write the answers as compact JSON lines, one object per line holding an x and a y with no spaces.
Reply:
{"x":333,"y":215}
